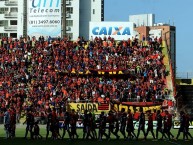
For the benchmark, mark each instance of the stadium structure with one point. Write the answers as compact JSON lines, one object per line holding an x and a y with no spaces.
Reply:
{"x":74,"y":18}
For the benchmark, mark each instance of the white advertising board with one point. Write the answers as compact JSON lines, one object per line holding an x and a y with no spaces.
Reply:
{"x":116,"y":30}
{"x":79,"y":124}
{"x":177,"y":124}
{"x":44,"y":18}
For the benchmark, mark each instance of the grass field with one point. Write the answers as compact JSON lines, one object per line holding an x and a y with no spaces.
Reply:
{"x":20,"y":131}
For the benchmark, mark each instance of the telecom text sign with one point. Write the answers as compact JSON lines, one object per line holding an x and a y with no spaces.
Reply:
{"x":116,"y":30}
{"x":44,"y":18}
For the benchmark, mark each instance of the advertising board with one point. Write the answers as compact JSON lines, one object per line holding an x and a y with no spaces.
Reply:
{"x":176,"y":124}
{"x":135,"y":109}
{"x":44,"y":18}
{"x":116,"y":30}
{"x":81,"y":107}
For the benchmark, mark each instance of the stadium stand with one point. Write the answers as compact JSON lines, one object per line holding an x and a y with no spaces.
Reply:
{"x":40,"y":73}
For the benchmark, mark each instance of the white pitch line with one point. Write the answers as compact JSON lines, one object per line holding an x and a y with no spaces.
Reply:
{"x":174,"y":143}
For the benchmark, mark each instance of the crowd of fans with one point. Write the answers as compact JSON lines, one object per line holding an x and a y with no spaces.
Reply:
{"x":49,"y":72}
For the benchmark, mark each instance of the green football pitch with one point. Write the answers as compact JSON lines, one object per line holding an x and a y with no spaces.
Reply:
{"x":20,"y":131}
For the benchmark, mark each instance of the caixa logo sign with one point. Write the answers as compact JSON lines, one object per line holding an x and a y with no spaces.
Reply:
{"x":111,"y":31}
{"x":45,"y":3}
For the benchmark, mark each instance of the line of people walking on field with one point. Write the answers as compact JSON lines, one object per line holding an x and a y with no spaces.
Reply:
{"x":107,"y":125}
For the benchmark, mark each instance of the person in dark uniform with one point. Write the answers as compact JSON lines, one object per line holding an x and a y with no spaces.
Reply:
{"x":165,"y":126}
{"x":48,"y":125}
{"x":111,"y":121}
{"x":73,"y":121}
{"x":102,"y":126}
{"x":66,"y":126}
{"x":36,"y":131}
{"x":85,"y":124}
{"x":141,"y":123}
{"x":150,"y":124}
{"x":159,"y":120}
{"x":30,"y":122}
{"x":116,"y":124}
{"x":123,"y":122}
{"x":187,"y":124}
{"x":7,"y":122}
{"x":93,"y":126}
{"x":168,"y":124}
{"x":182,"y":125}
{"x":53,"y":123}
{"x":130,"y":125}
{"x":12,"y":122}
{"x":89,"y":126}
{"x":57,"y":130}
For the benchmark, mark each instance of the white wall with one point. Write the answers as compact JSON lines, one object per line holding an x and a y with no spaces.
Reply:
{"x":1,"y":15}
{"x":142,"y":19}
{"x":2,"y":29}
{"x":20,"y":18}
{"x":86,"y":15}
{"x":96,"y":5}
{"x":75,"y":17}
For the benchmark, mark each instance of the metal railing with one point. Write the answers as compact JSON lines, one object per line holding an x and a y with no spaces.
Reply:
{"x":9,"y":28}
{"x":12,"y":15}
{"x":184,"y":75}
{"x":68,"y":2}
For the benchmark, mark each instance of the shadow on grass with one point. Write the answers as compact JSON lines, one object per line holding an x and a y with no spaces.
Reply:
{"x":22,"y":141}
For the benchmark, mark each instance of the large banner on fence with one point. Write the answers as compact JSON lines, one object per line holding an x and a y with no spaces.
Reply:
{"x":44,"y":18}
{"x":93,"y":107}
{"x":135,"y":109}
